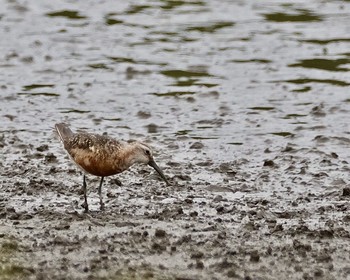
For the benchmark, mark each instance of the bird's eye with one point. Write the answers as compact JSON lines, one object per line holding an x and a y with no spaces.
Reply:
{"x":147,"y":152}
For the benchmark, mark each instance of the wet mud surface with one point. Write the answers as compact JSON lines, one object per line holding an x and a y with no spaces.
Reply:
{"x":246,"y":106}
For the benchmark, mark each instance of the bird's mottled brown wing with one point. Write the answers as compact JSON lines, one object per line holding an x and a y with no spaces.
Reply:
{"x":96,"y":154}
{"x":93,"y":141}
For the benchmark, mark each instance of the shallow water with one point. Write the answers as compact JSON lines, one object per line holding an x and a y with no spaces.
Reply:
{"x":244,"y":99}
{"x":236,"y":73}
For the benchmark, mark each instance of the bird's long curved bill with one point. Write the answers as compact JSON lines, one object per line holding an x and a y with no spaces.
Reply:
{"x":160,"y":172}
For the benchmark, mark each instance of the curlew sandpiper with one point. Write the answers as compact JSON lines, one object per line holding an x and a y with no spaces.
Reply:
{"x":103,"y":156}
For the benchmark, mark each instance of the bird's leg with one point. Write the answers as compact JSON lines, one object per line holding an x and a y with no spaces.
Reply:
{"x":102,"y":205}
{"x":85,"y":205}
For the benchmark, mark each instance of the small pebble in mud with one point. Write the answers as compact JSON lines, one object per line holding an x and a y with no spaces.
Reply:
{"x":102,"y":251}
{"x":10,"y":209}
{"x":220,"y":209}
{"x":158,"y":247}
{"x":143,"y":114}
{"x":190,"y":99}
{"x":277,"y":228}
{"x":269,"y":163}
{"x":42,"y":148}
{"x":183,"y":177}
{"x":179,"y":210}
{"x":232,"y":274}
{"x":173,"y":146}
{"x":224,"y":264}
{"x":222,"y":235}
{"x":218,"y":198}
{"x":197,"y":145}
{"x":62,"y":226}
{"x":334,"y":155}
{"x":318,"y":111}
{"x":288,"y":148}
{"x":297,"y":245}
{"x":346,"y":191}
{"x":184,"y":239}
{"x":152,"y":128}
{"x":115,"y":181}
{"x":199,"y":265}
{"x":27,"y":59}
{"x":298,"y":268}
{"x":160,"y":233}
{"x":318,"y":273}
{"x":197,"y":255}
{"x":148,"y":275}
{"x":204,"y":163}
{"x":346,"y":218}
{"x":173,"y":163}
{"x":254,"y":256}
{"x":194,"y":214}
{"x":50,"y":158}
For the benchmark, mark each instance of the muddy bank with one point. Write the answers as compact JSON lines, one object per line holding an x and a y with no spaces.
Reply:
{"x":284,"y":221}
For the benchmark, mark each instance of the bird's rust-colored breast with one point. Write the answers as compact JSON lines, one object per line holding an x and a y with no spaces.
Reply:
{"x":96,"y":154}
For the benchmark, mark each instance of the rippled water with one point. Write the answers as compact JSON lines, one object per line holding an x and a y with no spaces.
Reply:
{"x":237,"y":76}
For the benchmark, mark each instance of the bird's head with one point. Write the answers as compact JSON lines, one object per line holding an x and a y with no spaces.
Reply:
{"x":142,"y":153}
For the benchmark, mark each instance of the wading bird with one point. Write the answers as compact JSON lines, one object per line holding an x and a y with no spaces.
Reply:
{"x":103,"y":156}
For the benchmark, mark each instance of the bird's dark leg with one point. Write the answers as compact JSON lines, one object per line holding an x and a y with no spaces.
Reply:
{"x":102,"y":205}
{"x":85,"y":205}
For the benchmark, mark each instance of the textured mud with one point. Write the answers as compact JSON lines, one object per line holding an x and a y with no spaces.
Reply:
{"x":246,"y":105}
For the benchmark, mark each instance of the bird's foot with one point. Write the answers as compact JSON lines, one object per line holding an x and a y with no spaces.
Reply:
{"x":86,"y":207}
{"x":102,"y":206}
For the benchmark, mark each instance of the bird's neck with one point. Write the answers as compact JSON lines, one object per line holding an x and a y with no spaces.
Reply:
{"x":127,"y":158}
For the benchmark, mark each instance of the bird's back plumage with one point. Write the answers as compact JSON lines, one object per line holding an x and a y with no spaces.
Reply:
{"x":96,"y":154}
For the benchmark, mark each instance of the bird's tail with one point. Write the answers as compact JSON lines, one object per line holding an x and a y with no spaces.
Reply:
{"x":63,"y":131}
